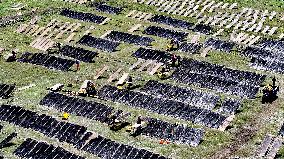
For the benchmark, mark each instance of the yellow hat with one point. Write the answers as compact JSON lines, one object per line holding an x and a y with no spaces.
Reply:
{"x":268,"y":86}
{"x":66,"y":115}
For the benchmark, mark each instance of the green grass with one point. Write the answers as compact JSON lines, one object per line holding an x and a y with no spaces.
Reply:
{"x":25,"y":74}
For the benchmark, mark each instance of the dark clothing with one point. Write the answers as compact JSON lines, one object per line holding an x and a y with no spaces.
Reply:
{"x":129,"y":82}
{"x":139,"y":120}
{"x":14,"y":53}
{"x":112,"y":119}
{"x":58,"y":46}
{"x":114,"y":116}
{"x":130,"y":79}
{"x":273,"y":81}
{"x":11,"y":59}
{"x":77,"y":65}
{"x":91,"y":91}
{"x":163,"y":70}
{"x":269,"y":95}
{"x":137,"y":132}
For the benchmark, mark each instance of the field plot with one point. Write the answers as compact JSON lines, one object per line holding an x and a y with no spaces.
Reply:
{"x":141,"y":79}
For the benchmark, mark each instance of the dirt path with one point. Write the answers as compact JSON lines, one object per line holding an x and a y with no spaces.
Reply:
{"x":245,"y":133}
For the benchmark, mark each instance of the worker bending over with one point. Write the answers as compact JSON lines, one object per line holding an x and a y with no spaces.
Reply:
{"x":117,"y":120}
{"x":172,"y":45}
{"x":58,"y":46}
{"x":138,"y":127}
{"x":164,"y":73}
{"x":270,"y":92}
{"x":175,"y":60}
{"x":91,"y":90}
{"x":168,"y":139}
{"x":128,"y":84}
{"x":88,"y":90}
{"x":13,"y":57}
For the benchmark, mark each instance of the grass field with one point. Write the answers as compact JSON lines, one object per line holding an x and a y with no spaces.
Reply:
{"x":264,"y":118}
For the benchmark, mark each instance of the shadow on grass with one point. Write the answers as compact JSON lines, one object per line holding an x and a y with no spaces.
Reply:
{"x":7,"y":145}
